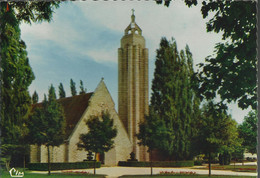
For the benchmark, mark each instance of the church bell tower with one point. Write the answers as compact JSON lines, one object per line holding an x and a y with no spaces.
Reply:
{"x":133,"y":84}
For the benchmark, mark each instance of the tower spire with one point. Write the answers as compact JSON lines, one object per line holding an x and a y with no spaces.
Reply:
{"x":133,"y":16}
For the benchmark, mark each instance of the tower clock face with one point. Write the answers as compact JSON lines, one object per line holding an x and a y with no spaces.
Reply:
{"x":132,"y":25}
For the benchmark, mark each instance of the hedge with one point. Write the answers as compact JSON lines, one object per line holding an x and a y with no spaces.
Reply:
{"x":63,"y":166}
{"x":156,"y":164}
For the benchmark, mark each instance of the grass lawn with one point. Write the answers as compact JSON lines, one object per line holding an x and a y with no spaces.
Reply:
{"x":238,"y":168}
{"x":197,"y":176}
{"x":6,"y":174}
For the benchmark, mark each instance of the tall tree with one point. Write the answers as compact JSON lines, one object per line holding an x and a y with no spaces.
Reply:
{"x":62,"y":93}
{"x":16,"y":73}
{"x":231,"y":71}
{"x":248,"y":132}
{"x":217,"y":131}
{"x":47,"y":124}
{"x":16,"y":76}
{"x":73,"y":88}
{"x":173,"y":97}
{"x":153,"y":134}
{"x":82,"y":88}
{"x":99,"y":138}
{"x":35,"y":97}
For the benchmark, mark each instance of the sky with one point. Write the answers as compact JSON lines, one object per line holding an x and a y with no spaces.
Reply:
{"x":82,"y":40}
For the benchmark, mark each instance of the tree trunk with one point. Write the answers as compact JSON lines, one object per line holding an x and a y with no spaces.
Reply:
{"x":24,"y":162}
{"x":95,"y":163}
{"x":7,"y":165}
{"x":49,"y":164}
{"x":151,"y":162}
{"x":209,"y":163}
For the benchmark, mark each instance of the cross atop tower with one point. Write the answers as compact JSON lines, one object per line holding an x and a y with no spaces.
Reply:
{"x":133,"y":16}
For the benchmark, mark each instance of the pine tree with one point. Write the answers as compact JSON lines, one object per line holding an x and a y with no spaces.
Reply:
{"x":174,"y":98}
{"x":35,"y":97}
{"x":50,"y":120}
{"x":62,"y":93}
{"x":82,"y":89}
{"x":73,"y":88}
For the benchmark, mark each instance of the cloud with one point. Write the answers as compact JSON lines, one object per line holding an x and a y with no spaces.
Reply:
{"x":82,"y":40}
{"x":101,"y":56}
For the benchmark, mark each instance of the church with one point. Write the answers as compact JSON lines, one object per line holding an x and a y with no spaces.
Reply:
{"x":133,"y":105}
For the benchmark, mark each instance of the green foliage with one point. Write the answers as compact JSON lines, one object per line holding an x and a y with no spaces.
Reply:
{"x":153,"y":132}
{"x":47,"y":123}
{"x":217,"y":132}
{"x":82,"y":89}
{"x":17,"y":74}
{"x":62,"y":93}
{"x":16,"y":78}
{"x":99,"y":138}
{"x":35,"y":97}
{"x":73,"y":88}
{"x":231,"y":72}
{"x":174,"y":98}
{"x":63,"y":166}
{"x":32,"y":11}
{"x":248,"y":132}
{"x":156,"y":163}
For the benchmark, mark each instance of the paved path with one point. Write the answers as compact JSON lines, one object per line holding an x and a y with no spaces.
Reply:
{"x":114,"y":172}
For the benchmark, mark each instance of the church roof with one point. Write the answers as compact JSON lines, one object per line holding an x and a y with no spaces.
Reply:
{"x":74,"y":107}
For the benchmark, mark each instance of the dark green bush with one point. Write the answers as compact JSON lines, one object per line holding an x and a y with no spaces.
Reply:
{"x":156,"y":164}
{"x":198,"y":162}
{"x":63,"y":166}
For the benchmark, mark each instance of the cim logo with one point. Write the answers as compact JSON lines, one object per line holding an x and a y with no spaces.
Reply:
{"x":15,"y":173}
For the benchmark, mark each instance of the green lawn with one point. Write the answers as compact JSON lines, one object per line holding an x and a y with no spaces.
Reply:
{"x":33,"y":175}
{"x":197,"y":176}
{"x":238,"y":168}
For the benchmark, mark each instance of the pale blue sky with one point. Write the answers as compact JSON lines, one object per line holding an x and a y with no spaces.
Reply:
{"x":82,"y":40}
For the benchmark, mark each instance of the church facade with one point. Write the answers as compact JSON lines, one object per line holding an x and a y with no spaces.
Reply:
{"x":132,"y":108}
{"x":77,"y":110}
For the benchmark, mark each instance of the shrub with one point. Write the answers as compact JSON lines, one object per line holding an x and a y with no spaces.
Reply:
{"x":181,"y":173}
{"x":198,"y":162}
{"x":63,"y":166}
{"x":156,"y":164}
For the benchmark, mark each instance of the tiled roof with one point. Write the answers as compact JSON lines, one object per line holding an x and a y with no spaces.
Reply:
{"x":74,"y":108}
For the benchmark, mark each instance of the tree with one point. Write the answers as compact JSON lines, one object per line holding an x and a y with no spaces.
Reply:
{"x":248,"y":132}
{"x":153,"y":134}
{"x":231,"y":71}
{"x":47,"y":124}
{"x":217,"y":131}
{"x":16,"y":77}
{"x":62,"y":93}
{"x":173,"y":97}
{"x":35,"y":97}
{"x":16,"y":72}
{"x":82,"y":89}
{"x":99,"y":138}
{"x":73,"y":88}
{"x":31,"y":11}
